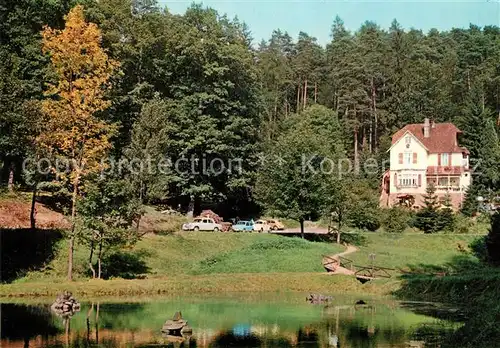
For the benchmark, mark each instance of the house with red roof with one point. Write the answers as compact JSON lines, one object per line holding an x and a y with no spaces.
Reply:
{"x":423,"y":154}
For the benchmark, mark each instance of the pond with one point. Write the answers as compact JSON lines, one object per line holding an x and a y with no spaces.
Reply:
{"x":253,"y":321}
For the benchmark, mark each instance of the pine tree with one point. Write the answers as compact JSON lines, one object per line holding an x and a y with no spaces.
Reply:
{"x":446,"y":217}
{"x":470,"y":204}
{"x":481,"y":139}
{"x":427,"y":219}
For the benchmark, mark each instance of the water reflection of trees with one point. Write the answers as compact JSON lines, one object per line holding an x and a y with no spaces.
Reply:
{"x":113,"y":325}
{"x":21,"y":322}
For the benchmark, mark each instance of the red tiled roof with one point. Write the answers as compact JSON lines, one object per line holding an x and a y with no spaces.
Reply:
{"x":442,"y":139}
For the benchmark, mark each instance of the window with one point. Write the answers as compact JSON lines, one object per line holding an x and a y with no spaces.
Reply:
{"x":445,"y":160}
{"x":408,"y":180}
{"x":408,"y":139}
{"x":408,"y":156}
{"x":465,"y":161}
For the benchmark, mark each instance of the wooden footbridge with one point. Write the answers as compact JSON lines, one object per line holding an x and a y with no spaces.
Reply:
{"x":338,"y":264}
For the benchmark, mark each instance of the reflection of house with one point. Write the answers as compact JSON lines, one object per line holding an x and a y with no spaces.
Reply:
{"x":422,"y":154}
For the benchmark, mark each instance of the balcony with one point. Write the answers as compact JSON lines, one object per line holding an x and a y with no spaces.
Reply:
{"x":446,"y":170}
{"x":445,"y":183}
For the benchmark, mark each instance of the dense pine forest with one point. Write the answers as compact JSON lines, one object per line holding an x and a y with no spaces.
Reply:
{"x":194,"y":88}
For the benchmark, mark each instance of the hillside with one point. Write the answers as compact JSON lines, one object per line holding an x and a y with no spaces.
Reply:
{"x":195,"y":253}
{"x":15,"y":213}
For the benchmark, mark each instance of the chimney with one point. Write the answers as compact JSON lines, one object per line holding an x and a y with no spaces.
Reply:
{"x":433,"y":124}
{"x":427,"y":128}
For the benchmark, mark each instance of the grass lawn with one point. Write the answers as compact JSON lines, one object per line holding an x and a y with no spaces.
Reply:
{"x":202,"y":284}
{"x":411,"y":250}
{"x":198,"y":253}
{"x":198,"y":262}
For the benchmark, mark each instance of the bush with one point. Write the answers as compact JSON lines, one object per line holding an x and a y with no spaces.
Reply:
{"x":478,"y":249}
{"x":124,"y":265}
{"x":281,"y":244}
{"x":462,"y":224}
{"x":353,"y":239}
{"x":493,"y":240}
{"x":396,"y":219}
{"x":364,"y":216}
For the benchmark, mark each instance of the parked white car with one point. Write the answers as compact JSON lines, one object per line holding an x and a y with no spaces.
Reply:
{"x":261,"y":226}
{"x":202,"y":224}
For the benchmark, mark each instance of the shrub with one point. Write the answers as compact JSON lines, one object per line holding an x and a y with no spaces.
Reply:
{"x":281,"y":244}
{"x":125,"y":265}
{"x":364,"y":216}
{"x":493,"y":240}
{"x":353,"y":239}
{"x":478,"y":248}
{"x":396,"y":219}
{"x":462,"y":224}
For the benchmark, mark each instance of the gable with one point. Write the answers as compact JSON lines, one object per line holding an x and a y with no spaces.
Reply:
{"x":442,"y":139}
{"x":402,"y":138}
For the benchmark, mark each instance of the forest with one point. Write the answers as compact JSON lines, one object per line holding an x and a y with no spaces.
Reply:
{"x":101,"y":89}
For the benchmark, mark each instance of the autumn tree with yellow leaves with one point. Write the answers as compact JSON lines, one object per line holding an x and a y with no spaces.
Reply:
{"x":73,"y":132}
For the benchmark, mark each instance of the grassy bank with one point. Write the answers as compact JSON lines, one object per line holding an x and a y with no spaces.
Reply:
{"x":198,"y":253}
{"x":475,"y":290}
{"x":200,"y":262}
{"x":411,"y":250}
{"x":209,"y":284}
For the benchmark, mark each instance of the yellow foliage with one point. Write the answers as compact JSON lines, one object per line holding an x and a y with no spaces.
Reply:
{"x":83,"y":69}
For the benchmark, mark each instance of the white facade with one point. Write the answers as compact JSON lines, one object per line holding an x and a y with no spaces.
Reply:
{"x":413,"y":167}
{"x":406,"y":175}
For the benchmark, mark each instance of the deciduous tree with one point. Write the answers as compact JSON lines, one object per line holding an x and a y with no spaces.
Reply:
{"x":73,"y":130}
{"x":300,"y":169}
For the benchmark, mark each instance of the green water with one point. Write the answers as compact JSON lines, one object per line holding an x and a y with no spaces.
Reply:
{"x":229,"y":321}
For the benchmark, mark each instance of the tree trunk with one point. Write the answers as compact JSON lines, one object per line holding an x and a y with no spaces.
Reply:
{"x":305,"y":94}
{"x":356,"y":152}
{"x":373,"y":131}
{"x":91,"y":266}
{"x":370,"y":137}
{"x":363,"y":142}
{"x":10,"y":183}
{"x":141,"y":191}
{"x":298,"y":97}
{"x":33,"y":207}
{"x":70,"y":257}
{"x":190,"y":212}
{"x":99,"y":260}
{"x":138,"y":222}
{"x":197,"y":205}
{"x":302,"y":228}
{"x":73,"y":223}
{"x":338,"y":234}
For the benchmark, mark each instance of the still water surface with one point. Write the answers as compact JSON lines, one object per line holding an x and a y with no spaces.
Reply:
{"x":232,"y":321}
